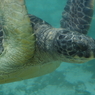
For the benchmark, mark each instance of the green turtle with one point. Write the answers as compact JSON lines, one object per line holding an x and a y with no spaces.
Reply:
{"x":31,"y":47}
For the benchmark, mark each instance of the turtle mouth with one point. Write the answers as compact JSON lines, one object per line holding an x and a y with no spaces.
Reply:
{"x":76,"y":58}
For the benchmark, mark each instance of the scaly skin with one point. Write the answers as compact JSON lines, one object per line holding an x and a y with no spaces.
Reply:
{"x":18,"y":61}
{"x":77,"y":15}
{"x":22,"y":58}
{"x":19,"y":41}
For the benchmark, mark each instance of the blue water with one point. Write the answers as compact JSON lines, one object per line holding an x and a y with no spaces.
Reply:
{"x":68,"y":79}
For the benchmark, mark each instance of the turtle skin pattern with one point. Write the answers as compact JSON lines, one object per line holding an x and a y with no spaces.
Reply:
{"x":69,"y":41}
{"x":77,"y":15}
{"x":31,"y":47}
{"x":71,"y":46}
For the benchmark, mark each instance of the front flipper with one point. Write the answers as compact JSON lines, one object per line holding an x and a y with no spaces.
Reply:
{"x":77,"y":15}
{"x":18,"y":41}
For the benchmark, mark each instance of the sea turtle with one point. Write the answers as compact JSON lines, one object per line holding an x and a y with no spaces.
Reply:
{"x":31,"y":47}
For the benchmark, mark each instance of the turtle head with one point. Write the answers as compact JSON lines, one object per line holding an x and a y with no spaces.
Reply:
{"x":74,"y":47}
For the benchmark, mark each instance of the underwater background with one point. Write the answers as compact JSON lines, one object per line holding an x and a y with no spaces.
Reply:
{"x":69,"y":78}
